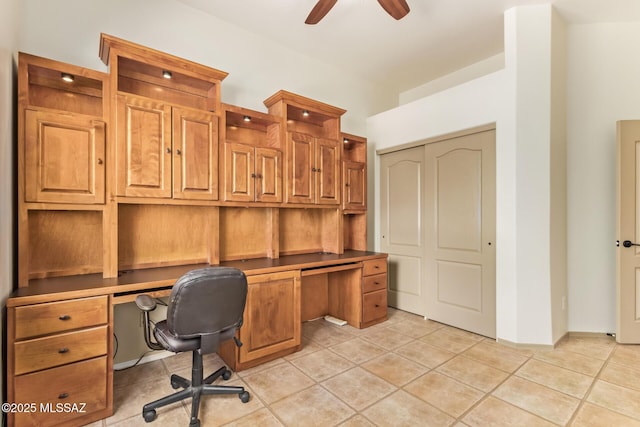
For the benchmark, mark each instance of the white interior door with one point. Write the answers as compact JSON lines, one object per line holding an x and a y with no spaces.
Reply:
{"x":460,"y":232}
{"x":402,"y":237}
{"x":628,"y":229}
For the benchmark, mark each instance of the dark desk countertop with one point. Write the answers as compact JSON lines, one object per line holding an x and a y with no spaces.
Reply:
{"x":87,"y":285}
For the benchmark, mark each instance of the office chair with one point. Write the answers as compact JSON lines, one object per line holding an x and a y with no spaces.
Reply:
{"x":205,"y":308}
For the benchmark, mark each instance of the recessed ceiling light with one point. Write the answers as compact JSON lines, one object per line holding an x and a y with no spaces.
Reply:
{"x":305,"y":113}
{"x":166,"y":74}
{"x":246,"y":118}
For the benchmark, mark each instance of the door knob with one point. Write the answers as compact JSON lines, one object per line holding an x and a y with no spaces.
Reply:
{"x":629,"y":243}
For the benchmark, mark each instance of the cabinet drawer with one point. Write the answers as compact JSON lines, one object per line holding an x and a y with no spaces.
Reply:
{"x":374,"y":305}
{"x":55,"y":350}
{"x":51,"y":317}
{"x":374,"y":283}
{"x":375,"y":266}
{"x":83,"y":384}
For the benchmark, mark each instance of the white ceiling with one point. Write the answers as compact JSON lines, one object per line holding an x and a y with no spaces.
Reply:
{"x":434,"y":39}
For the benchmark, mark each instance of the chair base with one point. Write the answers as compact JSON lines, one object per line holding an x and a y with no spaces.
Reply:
{"x":194,"y":389}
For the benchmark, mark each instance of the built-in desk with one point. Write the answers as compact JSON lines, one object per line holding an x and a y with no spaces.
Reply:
{"x":59,"y":346}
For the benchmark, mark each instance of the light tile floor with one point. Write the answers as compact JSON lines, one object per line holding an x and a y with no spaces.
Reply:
{"x":405,"y":372}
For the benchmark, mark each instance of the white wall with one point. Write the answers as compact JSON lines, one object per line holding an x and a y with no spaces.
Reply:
{"x":600,"y":88}
{"x":518,"y":100}
{"x":69,"y":31}
{"x":603,"y":87}
{"x":8,"y":37}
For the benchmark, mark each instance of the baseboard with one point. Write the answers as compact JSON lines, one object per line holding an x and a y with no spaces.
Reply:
{"x":156,"y":355}
{"x":525,"y":346}
{"x":566,"y":336}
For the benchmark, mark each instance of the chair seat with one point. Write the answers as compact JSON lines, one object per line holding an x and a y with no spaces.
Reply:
{"x":173,"y":343}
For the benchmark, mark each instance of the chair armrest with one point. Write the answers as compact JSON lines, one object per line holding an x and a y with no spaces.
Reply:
{"x":145,"y":303}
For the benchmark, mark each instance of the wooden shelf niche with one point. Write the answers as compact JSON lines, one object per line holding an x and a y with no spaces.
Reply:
{"x":64,"y":242}
{"x":165,"y":235}
{"x":145,"y":72}
{"x":305,"y":231}
{"x":247,"y":233}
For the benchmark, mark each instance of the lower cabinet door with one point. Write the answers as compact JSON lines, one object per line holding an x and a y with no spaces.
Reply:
{"x":59,"y":395}
{"x":374,"y":306}
{"x":271,"y":316}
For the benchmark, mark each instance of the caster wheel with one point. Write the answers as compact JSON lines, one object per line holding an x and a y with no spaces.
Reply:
{"x":175,"y":382}
{"x":149,"y":415}
{"x":195,"y":423}
{"x":226,"y":375}
{"x":244,"y":396}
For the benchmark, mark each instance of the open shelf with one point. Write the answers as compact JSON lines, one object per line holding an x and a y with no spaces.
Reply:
{"x":309,"y":231}
{"x":64,"y":243}
{"x":247,"y":233}
{"x":355,"y":231}
{"x":164,"y":235}
{"x":82,"y":94}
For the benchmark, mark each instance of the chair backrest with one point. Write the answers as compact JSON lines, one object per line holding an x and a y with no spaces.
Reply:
{"x":206,"y":303}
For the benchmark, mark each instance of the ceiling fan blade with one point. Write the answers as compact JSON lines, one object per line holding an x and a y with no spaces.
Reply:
{"x":319,"y":11}
{"x":396,"y":8}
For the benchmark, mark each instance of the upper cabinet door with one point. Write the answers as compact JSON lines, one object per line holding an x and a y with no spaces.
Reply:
{"x":300,"y":168}
{"x":195,"y":153}
{"x":64,"y":158}
{"x":144,"y":147}
{"x":327,"y":171}
{"x":268,"y":175}
{"x":239,"y":172}
{"x":354,"y":180}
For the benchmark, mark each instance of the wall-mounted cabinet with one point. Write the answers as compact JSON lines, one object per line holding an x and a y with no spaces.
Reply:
{"x":313,"y":149}
{"x":251,"y":167}
{"x":354,"y":173}
{"x":120,"y":171}
{"x":166,"y":151}
{"x":166,"y":115}
{"x":64,"y":157}
{"x":62,"y":125}
{"x":354,"y":191}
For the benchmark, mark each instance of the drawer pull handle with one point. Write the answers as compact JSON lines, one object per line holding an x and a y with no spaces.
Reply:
{"x":377,"y":305}
{"x":63,"y":350}
{"x":63,"y":395}
{"x":376,"y":266}
{"x":65,"y":317}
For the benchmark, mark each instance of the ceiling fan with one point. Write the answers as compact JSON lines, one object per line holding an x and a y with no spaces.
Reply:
{"x":396,"y":8}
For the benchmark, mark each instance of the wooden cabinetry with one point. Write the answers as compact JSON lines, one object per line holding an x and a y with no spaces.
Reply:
{"x":166,"y":121}
{"x":62,"y":124}
{"x":59,"y":357}
{"x":313,"y":166}
{"x":272,"y":325}
{"x":129,"y":179}
{"x":64,"y":157}
{"x":356,"y":292}
{"x":354,"y":191}
{"x":252,"y":167}
{"x":354,"y":173}
{"x":166,"y":151}
{"x":313,"y":150}
{"x":374,"y":292}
